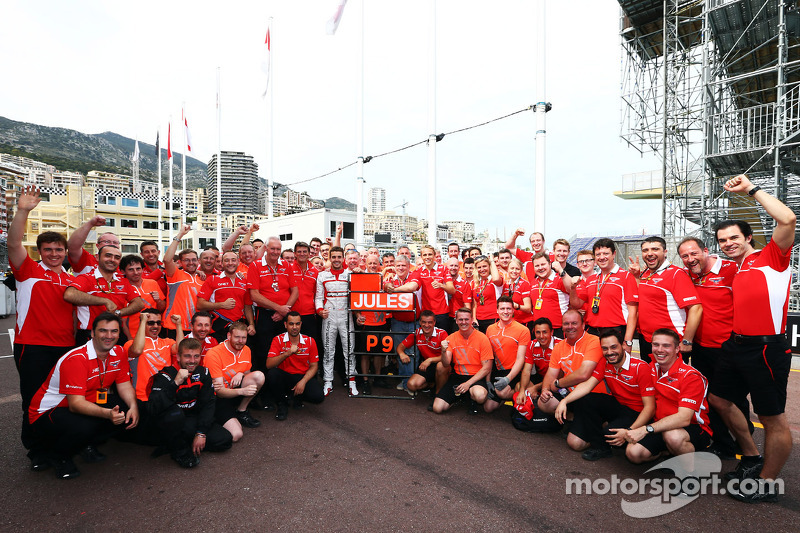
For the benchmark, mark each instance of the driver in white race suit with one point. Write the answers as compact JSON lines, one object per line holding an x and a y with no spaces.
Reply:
{"x":331,"y":302}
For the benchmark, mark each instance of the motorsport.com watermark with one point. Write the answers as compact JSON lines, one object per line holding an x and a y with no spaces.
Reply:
{"x":696,"y":474}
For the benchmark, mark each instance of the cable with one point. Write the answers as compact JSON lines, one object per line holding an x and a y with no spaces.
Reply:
{"x":439,"y":137}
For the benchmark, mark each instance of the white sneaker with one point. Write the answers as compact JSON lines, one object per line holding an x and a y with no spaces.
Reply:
{"x":327,"y":388}
{"x":400,"y":386}
{"x":353,"y":387}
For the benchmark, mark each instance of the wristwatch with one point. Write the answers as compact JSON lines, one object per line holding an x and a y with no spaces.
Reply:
{"x":686,"y":343}
{"x":556,"y":384}
{"x":118,"y":312}
{"x":628,"y":343}
{"x":649,"y":428}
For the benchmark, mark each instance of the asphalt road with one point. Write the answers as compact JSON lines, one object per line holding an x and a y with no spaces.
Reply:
{"x":358,"y":465}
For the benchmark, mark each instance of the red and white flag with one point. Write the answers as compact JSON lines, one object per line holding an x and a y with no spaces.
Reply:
{"x":333,"y":23}
{"x":265,"y":59}
{"x":169,"y":142}
{"x":188,"y":137}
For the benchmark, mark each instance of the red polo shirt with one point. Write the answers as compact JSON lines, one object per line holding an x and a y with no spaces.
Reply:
{"x":43,"y":317}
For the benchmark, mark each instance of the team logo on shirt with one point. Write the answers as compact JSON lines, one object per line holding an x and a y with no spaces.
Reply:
{"x":195,"y":377}
{"x":626,"y":378}
{"x":114,"y":364}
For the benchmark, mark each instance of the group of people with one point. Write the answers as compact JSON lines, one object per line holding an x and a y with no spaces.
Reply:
{"x":174,"y":354}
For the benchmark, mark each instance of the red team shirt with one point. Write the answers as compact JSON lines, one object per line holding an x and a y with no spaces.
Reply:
{"x":43,"y":317}
{"x":119,"y":291}
{"x":307,"y":285}
{"x":616,"y":290}
{"x":297,"y":363}
{"x":274,"y":284}
{"x":633,"y":381}
{"x":433,"y":299}
{"x":208,"y":343}
{"x":219,"y":288}
{"x":682,"y":386}
{"x":462,"y":297}
{"x":428,"y":347}
{"x":554,"y":298}
{"x":79,"y":372}
{"x":761,"y":292}
{"x":157,"y":275}
{"x":539,"y":356}
{"x":518,"y":290}
{"x":484,"y":295}
{"x":715,"y":289}
{"x":664,"y":296}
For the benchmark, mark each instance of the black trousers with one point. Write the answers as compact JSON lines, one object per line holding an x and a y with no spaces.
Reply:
{"x":176,"y":430}
{"x":34,"y":363}
{"x":281,"y":384}
{"x":592,"y":411}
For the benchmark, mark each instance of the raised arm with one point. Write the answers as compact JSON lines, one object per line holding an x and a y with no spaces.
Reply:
{"x":27,"y":202}
{"x":78,"y":238}
{"x":785,"y":219}
{"x":170,"y":267}
{"x":230,"y":242}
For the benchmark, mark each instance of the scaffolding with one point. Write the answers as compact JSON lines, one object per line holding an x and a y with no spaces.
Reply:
{"x":713,"y":88}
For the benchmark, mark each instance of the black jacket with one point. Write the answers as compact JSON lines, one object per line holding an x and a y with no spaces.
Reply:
{"x":195,"y":396}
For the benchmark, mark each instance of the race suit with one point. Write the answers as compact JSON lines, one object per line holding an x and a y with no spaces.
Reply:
{"x":333,"y":289}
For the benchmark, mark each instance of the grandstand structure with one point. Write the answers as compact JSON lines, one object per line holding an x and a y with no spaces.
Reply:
{"x":713,"y":88}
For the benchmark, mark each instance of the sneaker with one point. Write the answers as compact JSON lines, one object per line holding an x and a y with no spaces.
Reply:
{"x":593,"y":454}
{"x":366,"y":388}
{"x":401,"y":386}
{"x":765,"y":493}
{"x":186,"y":460}
{"x":722,"y":452}
{"x":327,"y":387}
{"x":473,"y":407}
{"x":91,"y":454}
{"x":283,"y":411}
{"x":247,"y":420}
{"x":65,"y":469}
{"x":747,"y":468}
{"x":353,"y":387}
{"x":39,"y":463}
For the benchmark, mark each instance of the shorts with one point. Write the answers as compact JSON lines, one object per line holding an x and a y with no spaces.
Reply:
{"x":654,"y":442}
{"x":429,"y":373}
{"x":447,"y":392}
{"x":225,"y":409}
{"x":762,"y":370}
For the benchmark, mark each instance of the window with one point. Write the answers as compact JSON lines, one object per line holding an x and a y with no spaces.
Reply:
{"x":107,"y":200}
{"x":110,"y":222}
{"x":348,"y":230}
{"x":149,"y":224}
{"x":285,"y":237}
{"x":130,"y":202}
{"x":206,"y":242}
{"x":150,"y":204}
{"x":130,"y":249}
{"x":44,"y":196}
{"x":128,"y":223}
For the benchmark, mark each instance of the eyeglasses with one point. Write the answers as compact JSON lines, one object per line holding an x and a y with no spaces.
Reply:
{"x":584,"y":261}
{"x":153,"y":322}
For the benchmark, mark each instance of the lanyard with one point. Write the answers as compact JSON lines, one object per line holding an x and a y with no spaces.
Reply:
{"x":513,"y":288}
{"x":602,"y":284}
{"x":101,"y":376}
{"x":699,"y":280}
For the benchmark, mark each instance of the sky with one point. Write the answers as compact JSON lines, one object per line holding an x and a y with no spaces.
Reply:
{"x":127,"y":67}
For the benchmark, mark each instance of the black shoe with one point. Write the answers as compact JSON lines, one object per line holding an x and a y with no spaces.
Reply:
{"x":473,"y":407}
{"x":283,"y":411}
{"x":366,"y":388}
{"x":593,"y":454}
{"x":65,"y":469}
{"x":723,"y":453}
{"x":39,"y":463}
{"x":90,"y":454}
{"x":186,"y":460}
{"x":247,"y":420}
{"x":766,"y":493}
{"x":747,"y":468}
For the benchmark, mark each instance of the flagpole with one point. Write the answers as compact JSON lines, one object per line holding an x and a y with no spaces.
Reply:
{"x":541,"y":131}
{"x":169,"y":162}
{"x":360,"y":139}
{"x":219,"y":166}
{"x":271,"y":178}
{"x":432,"y":225}
{"x":160,"y":198}
{"x":183,"y":170}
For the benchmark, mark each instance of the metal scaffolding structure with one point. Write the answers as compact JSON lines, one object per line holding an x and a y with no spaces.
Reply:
{"x":713,"y":88}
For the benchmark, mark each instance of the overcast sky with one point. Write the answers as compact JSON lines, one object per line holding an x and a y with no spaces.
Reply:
{"x":125,"y":67}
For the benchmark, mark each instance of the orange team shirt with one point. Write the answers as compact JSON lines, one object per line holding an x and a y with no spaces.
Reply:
{"x":156,"y":355}
{"x":568,"y":358}
{"x":222,"y":362}
{"x":183,"y":289}
{"x":148,"y":286}
{"x":505,"y":342}
{"x":469,"y":353}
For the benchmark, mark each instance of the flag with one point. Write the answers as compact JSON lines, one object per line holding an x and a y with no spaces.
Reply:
{"x":169,"y":142}
{"x":136,"y":151}
{"x":265,"y":58}
{"x":188,"y":137}
{"x":333,"y":23}
{"x":157,"y":146}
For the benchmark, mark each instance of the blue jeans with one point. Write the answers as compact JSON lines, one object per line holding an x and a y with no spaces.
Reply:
{"x":400,"y":331}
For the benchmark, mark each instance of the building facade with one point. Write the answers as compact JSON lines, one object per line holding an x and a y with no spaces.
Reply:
{"x":239,"y":180}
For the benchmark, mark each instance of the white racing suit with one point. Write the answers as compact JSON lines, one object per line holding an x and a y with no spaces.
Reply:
{"x":333,"y":291}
